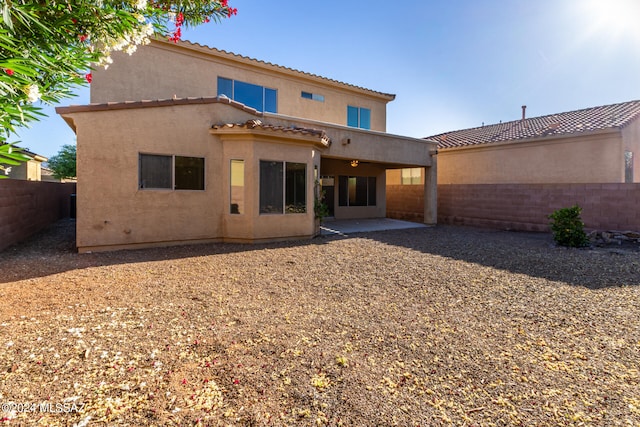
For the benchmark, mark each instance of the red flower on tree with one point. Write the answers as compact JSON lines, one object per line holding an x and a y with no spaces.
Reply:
{"x":8,"y":71}
{"x":88,"y":77}
{"x":176,"y":35}
{"x":179,"y":19}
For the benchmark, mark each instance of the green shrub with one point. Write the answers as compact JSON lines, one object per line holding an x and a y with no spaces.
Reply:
{"x":568,"y":228}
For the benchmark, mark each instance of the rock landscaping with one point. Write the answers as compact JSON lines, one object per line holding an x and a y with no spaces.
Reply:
{"x":443,"y":326}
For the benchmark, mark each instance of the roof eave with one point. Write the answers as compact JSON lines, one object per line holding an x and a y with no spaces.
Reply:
{"x":256,"y":63}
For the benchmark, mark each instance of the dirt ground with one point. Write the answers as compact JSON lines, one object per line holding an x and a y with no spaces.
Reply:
{"x":443,"y":326}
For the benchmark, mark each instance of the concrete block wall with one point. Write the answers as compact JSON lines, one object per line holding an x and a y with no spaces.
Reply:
{"x":405,"y":202}
{"x":524,"y":206}
{"x":27,"y":207}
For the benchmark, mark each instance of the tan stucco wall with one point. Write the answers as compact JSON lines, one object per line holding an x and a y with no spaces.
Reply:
{"x":113,"y":212}
{"x":578,"y":159}
{"x":251,"y":225}
{"x":164,"y":70}
{"x":111,"y":208}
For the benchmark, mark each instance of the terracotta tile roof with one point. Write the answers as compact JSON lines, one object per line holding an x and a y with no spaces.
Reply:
{"x":586,"y":120}
{"x":191,"y":45}
{"x":156,"y":103}
{"x":257,"y":124}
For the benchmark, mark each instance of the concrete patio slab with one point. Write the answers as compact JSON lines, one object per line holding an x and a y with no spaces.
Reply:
{"x":345,"y":227}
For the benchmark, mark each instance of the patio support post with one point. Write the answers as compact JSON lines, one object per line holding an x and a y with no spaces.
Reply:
{"x":431,"y":192}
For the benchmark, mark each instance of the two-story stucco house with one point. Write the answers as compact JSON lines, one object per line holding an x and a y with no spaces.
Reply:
{"x":184,"y":143}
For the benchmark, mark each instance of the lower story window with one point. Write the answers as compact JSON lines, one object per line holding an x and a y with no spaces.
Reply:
{"x":237,"y":187}
{"x":357,"y":191}
{"x":170,"y":172}
{"x":283,"y":187}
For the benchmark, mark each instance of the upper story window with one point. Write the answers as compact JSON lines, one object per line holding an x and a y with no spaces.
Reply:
{"x":314,"y":96}
{"x":259,"y":97}
{"x":358,"y":117}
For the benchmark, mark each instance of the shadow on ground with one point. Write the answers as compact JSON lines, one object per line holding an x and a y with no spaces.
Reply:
{"x":534,"y":254}
{"x":53,"y":251}
{"x":531,"y":254}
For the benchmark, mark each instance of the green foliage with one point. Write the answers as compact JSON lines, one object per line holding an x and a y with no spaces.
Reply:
{"x":568,"y":228}
{"x":10,"y":156}
{"x":48,"y":48}
{"x":63,"y":164}
{"x":320,"y":208}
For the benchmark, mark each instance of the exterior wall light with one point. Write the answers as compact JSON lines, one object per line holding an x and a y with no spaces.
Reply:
{"x":354,"y":163}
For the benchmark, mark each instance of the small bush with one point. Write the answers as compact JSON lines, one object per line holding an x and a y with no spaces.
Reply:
{"x":568,"y":228}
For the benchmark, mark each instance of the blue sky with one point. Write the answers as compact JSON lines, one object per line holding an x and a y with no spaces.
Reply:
{"x":453,"y":64}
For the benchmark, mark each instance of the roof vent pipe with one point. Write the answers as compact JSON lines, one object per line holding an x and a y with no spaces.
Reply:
{"x":524,"y":110}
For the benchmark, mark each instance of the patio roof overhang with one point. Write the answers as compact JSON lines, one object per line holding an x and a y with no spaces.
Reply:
{"x":367,"y":146}
{"x":273,"y":133}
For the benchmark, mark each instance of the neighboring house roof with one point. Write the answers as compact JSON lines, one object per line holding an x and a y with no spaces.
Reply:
{"x":34,"y":156}
{"x":30,"y":154}
{"x":614,"y":116}
{"x":257,"y":124}
{"x":274,"y":67}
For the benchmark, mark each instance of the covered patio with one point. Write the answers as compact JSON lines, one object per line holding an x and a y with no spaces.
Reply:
{"x":345,"y":227}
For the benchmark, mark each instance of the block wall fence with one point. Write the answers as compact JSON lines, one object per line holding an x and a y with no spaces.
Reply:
{"x":27,"y":207}
{"x":522,"y":207}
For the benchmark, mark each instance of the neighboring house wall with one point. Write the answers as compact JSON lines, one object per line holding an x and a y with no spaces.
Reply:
{"x":26,"y":207}
{"x":597,"y":157}
{"x":29,"y":171}
{"x":165,"y":70}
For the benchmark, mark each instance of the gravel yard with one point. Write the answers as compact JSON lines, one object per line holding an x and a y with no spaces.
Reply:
{"x":424,"y":327}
